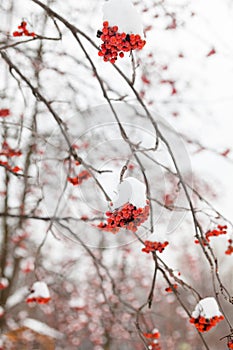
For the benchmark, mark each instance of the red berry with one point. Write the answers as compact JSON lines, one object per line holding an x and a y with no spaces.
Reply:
{"x":105,"y":31}
{"x":17,"y":34}
{"x":115,"y":43}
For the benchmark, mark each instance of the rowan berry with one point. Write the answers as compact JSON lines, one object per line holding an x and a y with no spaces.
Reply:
{"x":220,"y":230}
{"x":230,"y":344}
{"x":114,"y":43}
{"x":154,"y":246}
{"x":205,"y":324}
{"x":39,"y":294}
{"x":127,"y":216}
{"x":17,"y":33}
{"x":23,"y":30}
{"x":83,"y":175}
{"x":229,"y":250}
{"x":170,"y":289}
{"x":152,"y":335}
{"x":5,"y":112}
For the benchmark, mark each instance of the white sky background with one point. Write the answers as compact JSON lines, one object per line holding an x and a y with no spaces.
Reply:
{"x":206,"y":109}
{"x":206,"y":106}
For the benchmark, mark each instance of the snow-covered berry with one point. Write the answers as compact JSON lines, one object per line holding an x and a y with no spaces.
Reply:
{"x":39,"y":293}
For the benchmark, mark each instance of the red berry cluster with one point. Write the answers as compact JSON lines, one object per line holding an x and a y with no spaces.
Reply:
{"x":7,"y":151}
{"x":229,"y":250}
{"x":128,"y":216}
{"x":5,"y":112}
{"x":230,"y":344}
{"x":84,"y":175}
{"x":23,"y":30}
{"x":6,"y":165}
{"x":221,"y":230}
{"x":39,"y":300}
{"x":153,"y":336}
{"x":205,"y":324}
{"x":105,"y":227}
{"x":169,"y":289}
{"x":19,"y":237}
{"x":115,"y":43}
{"x":154,"y":246}
{"x":154,"y":346}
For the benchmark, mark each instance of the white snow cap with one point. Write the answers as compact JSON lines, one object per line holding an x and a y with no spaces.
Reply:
{"x":27,"y":264}
{"x":1,"y":311}
{"x":17,"y":297}
{"x":130,"y":190}
{"x":123,"y":14}
{"x":155,"y":330}
{"x":4,"y":283}
{"x":207,"y":308}
{"x":39,"y":290}
{"x":77,"y":303}
{"x":42,"y":328}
